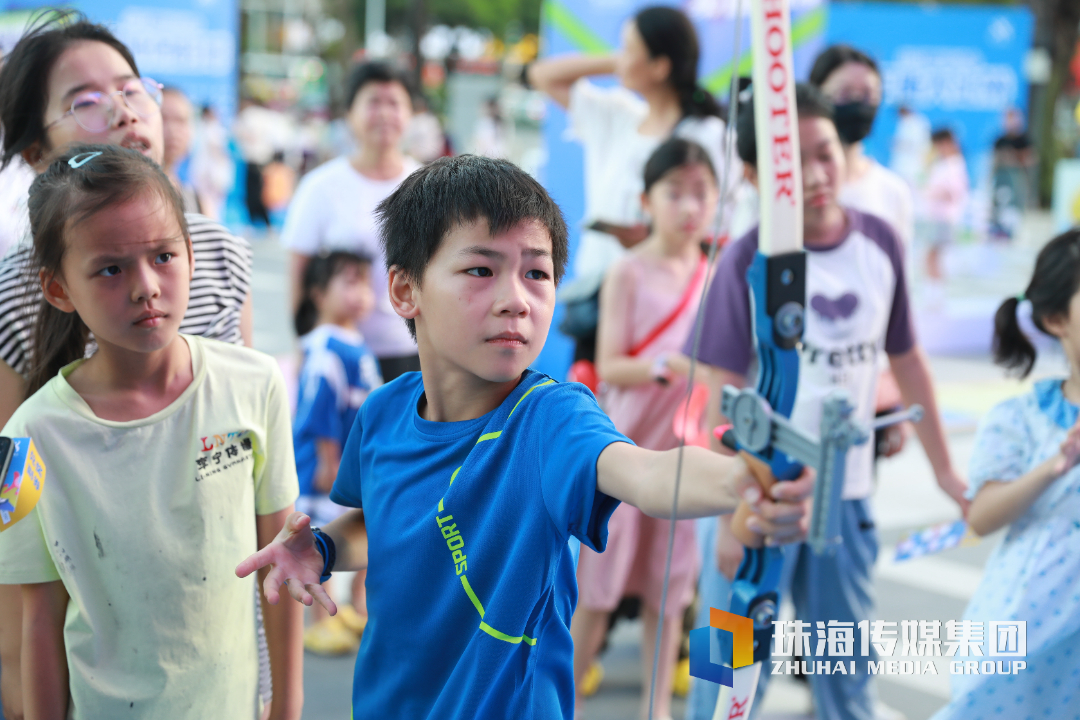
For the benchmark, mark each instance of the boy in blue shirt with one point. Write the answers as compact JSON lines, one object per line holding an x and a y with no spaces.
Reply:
{"x":472,"y":474}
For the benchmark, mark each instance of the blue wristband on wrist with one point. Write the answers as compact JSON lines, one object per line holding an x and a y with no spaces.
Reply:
{"x":326,"y":548}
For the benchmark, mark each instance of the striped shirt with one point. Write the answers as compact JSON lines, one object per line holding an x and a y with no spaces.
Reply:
{"x":219,"y":287}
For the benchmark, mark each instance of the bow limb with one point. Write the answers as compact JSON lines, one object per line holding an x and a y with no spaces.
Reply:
{"x":777,"y":279}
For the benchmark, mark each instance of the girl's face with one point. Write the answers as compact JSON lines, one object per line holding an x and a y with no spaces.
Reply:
{"x":683,"y":203}
{"x":94,"y":66}
{"x":853,"y":82}
{"x":379,"y":114}
{"x":127,"y":272}
{"x":348,"y":297}
{"x":635,"y":68}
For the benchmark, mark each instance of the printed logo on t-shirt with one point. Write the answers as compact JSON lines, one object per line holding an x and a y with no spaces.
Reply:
{"x":836,"y":336}
{"x":841,"y":308}
{"x":222,"y":452}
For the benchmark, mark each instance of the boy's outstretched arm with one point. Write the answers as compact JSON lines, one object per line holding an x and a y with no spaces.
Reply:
{"x":294,"y":560}
{"x":44,"y":659}
{"x":912,"y":372}
{"x":284,"y":635}
{"x":711,"y":484}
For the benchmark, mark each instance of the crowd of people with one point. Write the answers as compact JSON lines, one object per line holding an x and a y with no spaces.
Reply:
{"x":495,"y":518}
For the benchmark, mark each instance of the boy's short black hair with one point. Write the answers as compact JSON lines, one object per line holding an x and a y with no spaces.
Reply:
{"x":453,"y":190}
{"x":374,"y":72}
{"x":809,"y":103}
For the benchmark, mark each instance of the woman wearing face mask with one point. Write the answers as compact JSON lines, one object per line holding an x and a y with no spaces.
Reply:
{"x":658,"y":96}
{"x":851,"y":80}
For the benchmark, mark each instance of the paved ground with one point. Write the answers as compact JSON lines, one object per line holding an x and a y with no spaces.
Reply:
{"x":936,"y":587}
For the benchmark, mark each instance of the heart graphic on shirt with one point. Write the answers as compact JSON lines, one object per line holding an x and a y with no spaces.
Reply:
{"x":841,"y":308}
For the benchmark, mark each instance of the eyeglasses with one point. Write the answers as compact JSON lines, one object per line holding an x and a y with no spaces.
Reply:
{"x":95,"y":111}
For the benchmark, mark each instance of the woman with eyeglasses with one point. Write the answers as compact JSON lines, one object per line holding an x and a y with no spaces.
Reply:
{"x":70,"y":81}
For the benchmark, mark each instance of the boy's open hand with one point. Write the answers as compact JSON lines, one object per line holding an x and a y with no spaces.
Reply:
{"x":294,"y":561}
{"x":781,"y":514}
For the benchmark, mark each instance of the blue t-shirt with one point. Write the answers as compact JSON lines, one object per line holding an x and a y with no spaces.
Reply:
{"x":470,"y":581}
{"x":338,"y":373}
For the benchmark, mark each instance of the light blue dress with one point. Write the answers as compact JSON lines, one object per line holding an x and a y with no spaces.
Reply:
{"x":1034,"y":575}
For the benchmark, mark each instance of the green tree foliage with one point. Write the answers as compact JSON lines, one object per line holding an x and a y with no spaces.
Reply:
{"x":498,"y":16}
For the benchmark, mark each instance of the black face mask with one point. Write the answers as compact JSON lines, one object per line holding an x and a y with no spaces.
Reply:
{"x":854,"y":120}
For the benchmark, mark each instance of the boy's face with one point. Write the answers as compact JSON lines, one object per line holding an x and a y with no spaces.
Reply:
{"x":823,"y":165}
{"x":485,"y":303}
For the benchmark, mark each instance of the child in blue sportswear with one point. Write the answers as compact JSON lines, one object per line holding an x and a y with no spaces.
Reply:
{"x":472,"y":474}
{"x":338,"y":373}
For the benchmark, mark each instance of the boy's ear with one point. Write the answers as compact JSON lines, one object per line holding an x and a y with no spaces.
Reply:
{"x":404,"y":294}
{"x":54,"y":291}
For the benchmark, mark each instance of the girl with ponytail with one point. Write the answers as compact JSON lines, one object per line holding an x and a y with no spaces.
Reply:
{"x":1024,"y":476}
{"x":169,"y":455}
{"x":620,"y":127}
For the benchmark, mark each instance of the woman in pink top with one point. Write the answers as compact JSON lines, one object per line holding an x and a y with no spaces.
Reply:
{"x":647,"y":307}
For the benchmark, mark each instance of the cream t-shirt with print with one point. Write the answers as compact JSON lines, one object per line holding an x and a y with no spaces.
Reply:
{"x":145,"y":523}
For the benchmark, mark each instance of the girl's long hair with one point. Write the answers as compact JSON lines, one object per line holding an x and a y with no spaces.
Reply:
{"x":79,"y":184}
{"x":1053,"y":283}
{"x":24,"y":77}
{"x":668,"y":32}
{"x":320,"y":270}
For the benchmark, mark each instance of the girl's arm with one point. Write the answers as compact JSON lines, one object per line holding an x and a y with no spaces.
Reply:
{"x":329,"y":457}
{"x":44,"y":661}
{"x":998,"y":504}
{"x":294,"y":560}
{"x":711,"y":484}
{"x":555,"y":76}
{"x":284,"y":635}
{"x":912,"y":374}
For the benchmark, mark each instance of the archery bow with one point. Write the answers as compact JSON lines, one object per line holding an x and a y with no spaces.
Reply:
{"x":777,"y":278}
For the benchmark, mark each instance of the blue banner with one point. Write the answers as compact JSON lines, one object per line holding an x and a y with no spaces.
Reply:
{"x":960,"y":66}
{"x":189,"y":44}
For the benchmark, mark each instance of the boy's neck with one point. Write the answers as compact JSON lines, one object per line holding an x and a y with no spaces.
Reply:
{"x":825,"y":227}
{"x":378,"y":163}
{"x":454,"y":395}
